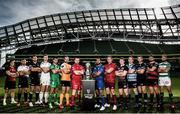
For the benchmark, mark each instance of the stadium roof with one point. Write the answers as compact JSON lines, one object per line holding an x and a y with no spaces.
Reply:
{"x":144,"y":24}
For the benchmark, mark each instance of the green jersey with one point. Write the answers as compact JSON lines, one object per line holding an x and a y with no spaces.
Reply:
{"x":164,"y":64}
{"x":54,"y":76}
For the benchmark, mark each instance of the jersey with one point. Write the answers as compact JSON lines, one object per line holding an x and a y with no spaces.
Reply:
{"x":11,"y":70}
{"x":132,"y":76}
{"x":99,"y":68}
{"x":110,"y":77}
{"x":122,"y":69}
{"x":34,"y":74}
{"x":23,"y":68}
{"x":152,"y":74}
{"x":141,"y":66}
{"x":65,"y":76}
{"x":76,"y":78}
{"x":47,"y":65}
{"x":164,"y":64}
{"x":54,"y":76}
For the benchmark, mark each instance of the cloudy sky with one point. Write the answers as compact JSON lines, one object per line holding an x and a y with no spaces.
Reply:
{"x":13,"y":11}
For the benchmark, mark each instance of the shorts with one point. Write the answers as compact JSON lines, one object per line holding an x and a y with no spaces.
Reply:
{"x":152,"y":82}
{"x":34,"y":80}
{"x":54,"y":83}
{"x":132,"y":84}
{"x":110,"y":85}
{"x":66,"y":83}
{"x":76,"y":85}
{"x":10,"y":85}
{"x":23,"y":82}
{"x":141,"y":81}
{"x":45,"y":80}
{"x":99,"y":85}
{"x":164,"y":81}
{"x":122,"y":84}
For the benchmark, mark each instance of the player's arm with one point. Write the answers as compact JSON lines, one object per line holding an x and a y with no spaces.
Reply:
{"x":151,"y":69}
{"x":108,"y":71}
{"x":35,"y":69}
{"x":140,"y":71}
{"x":10,"y":74}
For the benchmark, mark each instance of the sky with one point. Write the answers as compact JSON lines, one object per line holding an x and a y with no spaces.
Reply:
{"x":13,"y":11}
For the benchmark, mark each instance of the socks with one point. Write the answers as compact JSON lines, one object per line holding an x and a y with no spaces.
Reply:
{"x":61,"y":98}
{"x":55,"y":97}
{"x":12,"y":100}
{"x":171,"y":97}
{"x":79,"y":98}
{"x":145,"y":99}
{"x":114,"y":100}
{"x":37,"y":96}
{"x":46,"y":95}
{"x":19,"y":97}
{"x":72,"y":99}
{"x":151,"y":98}
{"x":126,"y":101}
{"x":121,"y":99}
{"x":108,"y":98}
{"x":25,"y":97}
{"x":41,"y":97}
{"x":140,"y":98}
{"x":30,"y":96}
{"x":137,"y":98}
{"x":67,"y":98}
{"x":102,"y":100}
{"x":161,"y":97}
{"x":50,"y":98}
{"x":157,"y":98}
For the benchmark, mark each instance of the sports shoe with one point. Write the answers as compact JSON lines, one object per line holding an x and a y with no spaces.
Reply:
{"x":50,"y":105}
{"x":107,"y":105}
{"x":102,"y":108}
{"x":96,"y":106}
{"x":56,"y":103}
{"x":18,"y":104}
{"x":13,"y":102}
{"x":37,"y":103}
{"x":115,"y":107}
{"x":61,"y":106}
{"x":4,"y":102}
{"x":30,"y":104}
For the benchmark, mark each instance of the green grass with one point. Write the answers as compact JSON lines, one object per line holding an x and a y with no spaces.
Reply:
{"x":13,"y":108}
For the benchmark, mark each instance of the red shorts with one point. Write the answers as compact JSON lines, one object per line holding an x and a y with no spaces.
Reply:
{"x":76,"y":86}
{"x":110,"y":85}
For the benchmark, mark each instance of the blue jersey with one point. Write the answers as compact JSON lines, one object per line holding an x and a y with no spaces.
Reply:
{"x":99,"y":68}
{"x":132,"y":76}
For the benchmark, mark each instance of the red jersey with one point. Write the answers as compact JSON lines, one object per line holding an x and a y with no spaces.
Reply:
{"x":152,"y":74}
{"x":110,"y":77}
{"x":76,"y":78}
{"x":11,"y":70}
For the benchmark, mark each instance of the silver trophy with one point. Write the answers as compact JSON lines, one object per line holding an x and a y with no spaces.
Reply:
{"x":88,"y":71}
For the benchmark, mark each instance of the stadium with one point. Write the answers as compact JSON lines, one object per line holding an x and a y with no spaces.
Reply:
{"x":95,"y":33}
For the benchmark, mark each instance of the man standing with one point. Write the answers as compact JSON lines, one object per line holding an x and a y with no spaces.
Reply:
{"x":109,"y":79}
{"x":141,"y":80}
{"x":98,"y":74}
{"x":45,"y":79}
{"x":121,"y":73}
{"x":152,"y":80}
{"x":165,"y":80}
{"x":34,"y":80}
{"x":77,"y":74}
{"x":65,"y":82}
{"x":54,"y":82}
{"x":23,"y":83}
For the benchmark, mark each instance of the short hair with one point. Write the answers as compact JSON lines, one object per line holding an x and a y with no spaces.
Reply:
{"x":140,"y":56}
{"x":22,"y":59}
{"x":45,"y":55}
{"x":164,"y":55}
{"x":109,"y":56}
{"x":122,"y":58}
{"x":34,"y":55}
{"x":66,"y":56}
{"x":131,"y":57}
{"x":55,"y":57}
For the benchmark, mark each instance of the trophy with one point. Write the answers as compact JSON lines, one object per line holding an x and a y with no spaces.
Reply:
{"x":88,"y":71}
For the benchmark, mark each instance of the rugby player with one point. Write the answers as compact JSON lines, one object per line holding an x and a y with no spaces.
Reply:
{"x":44,"y":79}
{"x":34,"y":80}
{"x":23,"y":83}
{"x":98,"y":74}
{"x":165,"y":80}
{"x":141,"y":81}
{"x":77,"y":74}
{"x":109,"y":79}
{"x":65,"y":82}
{"x":10,"y":82}
{"x":152,"y":80}
{"x":132,"y":79}
{"x":121,"y":73}
{"x":54,"y":82}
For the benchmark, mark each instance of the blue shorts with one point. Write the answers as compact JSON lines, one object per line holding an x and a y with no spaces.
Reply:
{"x":99,"y":84}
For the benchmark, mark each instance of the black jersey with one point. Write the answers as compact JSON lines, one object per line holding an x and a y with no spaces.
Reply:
{"x":121,"y":69}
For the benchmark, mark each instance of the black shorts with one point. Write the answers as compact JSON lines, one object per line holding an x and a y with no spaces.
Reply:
{"x":10,"y":85}
{"x":35,"y":80}
{"x":132,"y":84}
{"x":109,"y":85}
{"x":23,"y":82}
{"x":152,"y":82}
{"x":141,"y":80}
{"x":66,"y":83}
{"x":122,"y":84}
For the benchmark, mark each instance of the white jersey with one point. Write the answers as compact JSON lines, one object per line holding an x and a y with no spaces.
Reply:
{"x":45,"y":77}
{"x":23,"y":68}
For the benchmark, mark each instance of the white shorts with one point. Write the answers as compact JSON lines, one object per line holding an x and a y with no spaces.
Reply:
{"x":164,"y":81}
{"x":45,"y":79}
